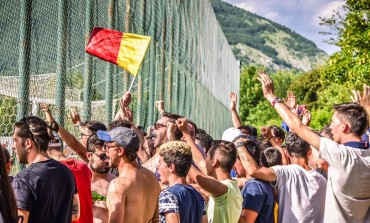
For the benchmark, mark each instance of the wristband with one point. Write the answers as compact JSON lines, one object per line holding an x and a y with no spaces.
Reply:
{"x":276,"y":100}
{"x":239,"y":144}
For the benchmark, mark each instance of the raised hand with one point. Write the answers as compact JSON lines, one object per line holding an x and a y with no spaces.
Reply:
{"x":364,"y":99}
{"x":75,"y":117}
{"x":126,"y":99}
{"x":49,"y":117}
{"x":182,"y":124}
{"x":267,"y":84}
{"x":160,"y":106}
{"x":266,"y":132}
{"x":45,"y":108}
{"x":233,"y":100}
{"x":306,"y":117}
{"x":290,"y":102}
{"x":126,"y":112}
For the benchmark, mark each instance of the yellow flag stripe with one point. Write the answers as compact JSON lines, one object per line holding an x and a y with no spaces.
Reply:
{"x":132,"y":52}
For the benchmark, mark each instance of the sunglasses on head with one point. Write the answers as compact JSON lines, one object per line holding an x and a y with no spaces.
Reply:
{"x":102,"y":156}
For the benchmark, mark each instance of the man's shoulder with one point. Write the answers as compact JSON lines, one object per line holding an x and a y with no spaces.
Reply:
{"x":147,"y":173}
{"x":40,"y":168}
{"x":182,"y":188}
{"x":257,"y":183}
{"x":257,"y":186}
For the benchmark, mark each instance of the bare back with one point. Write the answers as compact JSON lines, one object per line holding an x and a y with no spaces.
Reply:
{"x":133,"y":196}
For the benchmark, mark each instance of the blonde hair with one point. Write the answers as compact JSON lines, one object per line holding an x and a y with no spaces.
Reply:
{"x":178,"y":146}
{"x":179,"y":154}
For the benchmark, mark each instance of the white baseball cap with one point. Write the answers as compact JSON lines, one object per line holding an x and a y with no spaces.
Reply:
{"x":231,"y":133}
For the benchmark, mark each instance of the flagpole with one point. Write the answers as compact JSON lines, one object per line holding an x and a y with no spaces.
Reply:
{"x":132,"y":83}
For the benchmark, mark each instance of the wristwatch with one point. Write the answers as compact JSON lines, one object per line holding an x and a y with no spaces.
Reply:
{"x":276,"y":100}
{"x":239,"y":144}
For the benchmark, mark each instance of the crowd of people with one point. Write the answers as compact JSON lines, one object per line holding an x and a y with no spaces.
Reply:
{"x":175,"y":172}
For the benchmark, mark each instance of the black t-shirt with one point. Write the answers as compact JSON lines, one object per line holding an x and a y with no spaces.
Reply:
{"x":46,"y":190}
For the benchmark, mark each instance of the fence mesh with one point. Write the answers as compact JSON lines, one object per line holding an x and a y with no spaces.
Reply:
{"x":189,"y":63}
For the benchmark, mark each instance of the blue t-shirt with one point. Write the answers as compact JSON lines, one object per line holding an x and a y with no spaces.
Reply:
{"x":258,"y":195}
{"x":184,"y":200}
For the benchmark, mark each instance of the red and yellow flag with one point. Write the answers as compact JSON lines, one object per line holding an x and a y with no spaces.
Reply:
{"x":126,"y":50}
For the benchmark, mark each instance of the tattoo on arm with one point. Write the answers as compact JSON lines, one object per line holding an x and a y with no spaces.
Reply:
{"x":76,"y":204}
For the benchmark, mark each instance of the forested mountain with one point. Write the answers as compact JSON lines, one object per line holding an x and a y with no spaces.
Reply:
{"x":258,"y":41}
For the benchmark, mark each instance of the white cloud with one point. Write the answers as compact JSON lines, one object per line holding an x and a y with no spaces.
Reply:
{"x":327,"y":11}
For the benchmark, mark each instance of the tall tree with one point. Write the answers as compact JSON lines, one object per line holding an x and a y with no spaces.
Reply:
{"x":351,"y":65}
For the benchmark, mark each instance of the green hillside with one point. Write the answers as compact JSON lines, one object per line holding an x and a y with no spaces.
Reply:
{"x":258,"y":41}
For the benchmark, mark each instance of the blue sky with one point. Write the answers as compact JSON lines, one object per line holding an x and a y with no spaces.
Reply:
{"x":299,"y":15}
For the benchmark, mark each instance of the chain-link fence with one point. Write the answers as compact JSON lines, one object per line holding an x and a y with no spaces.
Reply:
{"x":189,"y":63}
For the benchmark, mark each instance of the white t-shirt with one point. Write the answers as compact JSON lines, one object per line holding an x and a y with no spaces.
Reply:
{"x":301,"y":194}
{"x":348,"y":191}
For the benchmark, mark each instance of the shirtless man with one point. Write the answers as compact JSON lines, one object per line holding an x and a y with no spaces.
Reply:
{"x":133,"y":195}
{"x":101,"y":177}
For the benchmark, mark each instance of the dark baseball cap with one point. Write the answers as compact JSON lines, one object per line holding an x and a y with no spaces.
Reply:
{"x":125,"y":137}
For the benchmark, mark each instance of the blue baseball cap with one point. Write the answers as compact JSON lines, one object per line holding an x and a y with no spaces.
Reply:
{"x":124,"y":137}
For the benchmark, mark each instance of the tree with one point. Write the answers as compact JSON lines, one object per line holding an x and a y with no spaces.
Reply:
{"x":351,"y":65}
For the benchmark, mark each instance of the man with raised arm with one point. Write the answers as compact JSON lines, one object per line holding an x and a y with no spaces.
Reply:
{"x":133,"y":195}
{"x":348,"y":194}
{"x":79,"y":169}
{"x":225,"y":202}
{"x":301,"y":190}
{"x":258,"y":195}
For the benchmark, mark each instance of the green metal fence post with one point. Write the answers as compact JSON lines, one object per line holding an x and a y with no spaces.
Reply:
{"x":163,"y":57}
{"x":170,"y":41}
{"x":175,"y":60}
{"x":140,"y":77}
{"x":61,"y":61}
{"x":152,"y":64}
{"x":126,"y":77}
{"x":24,"y":58}
{"x":88,"y":64}
{"x":109,"y":68}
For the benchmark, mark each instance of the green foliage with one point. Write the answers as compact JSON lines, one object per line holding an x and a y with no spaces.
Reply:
{"x":321,"y":88}
{"x":254,"y":108}
{"x":351,"y":65}
{"x":8,"y":111}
